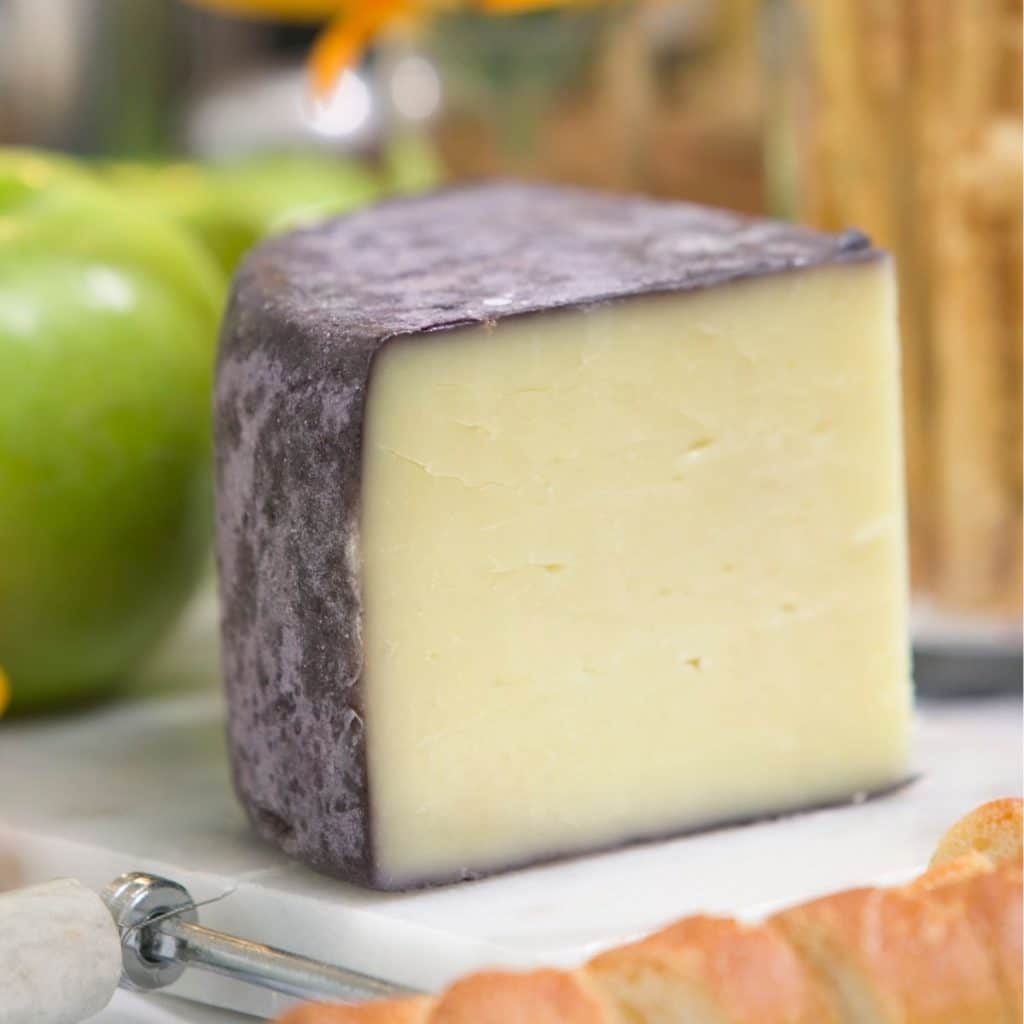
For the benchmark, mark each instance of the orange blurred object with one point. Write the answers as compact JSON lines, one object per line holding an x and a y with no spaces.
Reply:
{"x":350,"y":33}
{"x":356,"y":22}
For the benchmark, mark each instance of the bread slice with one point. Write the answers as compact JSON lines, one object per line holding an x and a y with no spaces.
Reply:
{"x":993,"y":829}
{"x":710,"y":970}
{"x":900,"y":956}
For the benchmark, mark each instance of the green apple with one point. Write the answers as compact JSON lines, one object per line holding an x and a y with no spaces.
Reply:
{"x":231,"y":206}
{"x":280,"y":191}
{"x":193,"y":197}
{"x":108,"y":320}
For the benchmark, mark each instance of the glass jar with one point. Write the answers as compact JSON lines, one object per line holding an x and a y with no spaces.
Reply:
{"x":651,"y":96}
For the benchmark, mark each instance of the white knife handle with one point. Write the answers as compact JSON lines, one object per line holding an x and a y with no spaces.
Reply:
{"x":60,"y":954}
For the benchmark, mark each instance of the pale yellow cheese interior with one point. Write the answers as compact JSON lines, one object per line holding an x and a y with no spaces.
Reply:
{"x":634,"y":570}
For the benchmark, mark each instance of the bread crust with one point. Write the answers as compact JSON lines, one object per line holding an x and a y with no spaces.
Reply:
{"x":899,"y":956}
{"x":955,"y":870}
{"x":741,"y":972}
{"x":991,"y":901}
{"x":993,"y":830}
{"x":540,"y":997}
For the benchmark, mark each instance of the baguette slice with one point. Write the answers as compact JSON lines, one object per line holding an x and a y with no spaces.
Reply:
{"x":711,"y":970}
{"x":900,"y":956}
{"x":993,"y":830}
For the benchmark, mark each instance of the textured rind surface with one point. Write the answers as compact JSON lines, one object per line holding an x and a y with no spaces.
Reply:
{"x":307,"y":314}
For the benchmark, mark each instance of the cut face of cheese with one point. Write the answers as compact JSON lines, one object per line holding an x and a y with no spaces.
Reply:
{"x":549,"y":521}
{"x":633,"y":570}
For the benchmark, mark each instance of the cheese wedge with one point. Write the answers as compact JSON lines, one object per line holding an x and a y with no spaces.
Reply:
{"x":550,"y":521}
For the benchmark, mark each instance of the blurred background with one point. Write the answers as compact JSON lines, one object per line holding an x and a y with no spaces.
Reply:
{"x":901,"y":117}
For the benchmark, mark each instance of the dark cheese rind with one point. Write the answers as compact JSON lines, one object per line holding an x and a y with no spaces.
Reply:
{"x":307,"y":313}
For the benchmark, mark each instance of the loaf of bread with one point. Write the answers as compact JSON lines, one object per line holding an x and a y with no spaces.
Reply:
{"x":943,"y":949}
